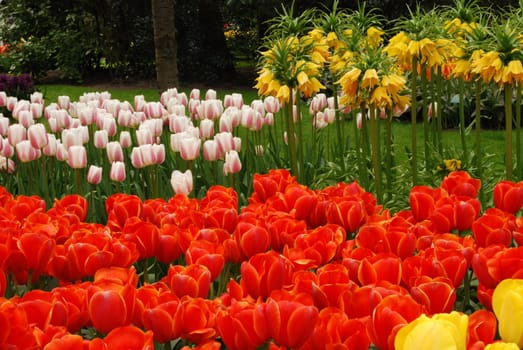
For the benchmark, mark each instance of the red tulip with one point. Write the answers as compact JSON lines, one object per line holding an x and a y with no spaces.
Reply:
{"x":380,"y":267}
{"x":130,"y":338}
{"x":15,"y":331}
{"x":281,"y":319}
{"x":481,"y":262}
{"x":465,"y":212}
{"x":333,"y":280}
{"x":493,"y":227}
{"x":335,"y":330}
{"x":193,"y":280}
{"x":252,"y":238}
{"x":70,"y":205}
{"x":196,"y":316}
{"x":169,"y":249}
{"x":22,"y":206}
{"x":120,"y":207}
{"x":144,"y":235}
{"x":264,"y":273}
{"x":265,"y":186}
{"x":67,"y":342}
{"x":460,"y":183}
{"x":482,"y":328}
{"x":37,"y":249}
{"x":284,"y":229}
{"x":359,"y":302}
{"x":350,"y":214}
{"x":159,"y":318}
{"x":422,"y":199}
{"x":391,"y":314}
{"x":508,"y":196}
{"x":236,"y":326}
{"x":208,"y":254}
{"x":73,"y":301}
{"x":318,"y":246}
{"x":436,"y":294}
{"x":113,"y":292}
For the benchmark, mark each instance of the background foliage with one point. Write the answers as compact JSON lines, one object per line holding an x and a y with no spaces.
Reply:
{"x":113,"y":38}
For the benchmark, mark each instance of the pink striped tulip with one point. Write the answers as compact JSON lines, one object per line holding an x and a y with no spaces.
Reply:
{"x":51,"y":146}
{"x":77,"y":157}
{"x":11,"y":103}
{"x":117,"y":172}
{"x":4,"y":125}
{"x":94,"y":175}
{"x":182,"y":183}
{"x":144,"y":136}
{"x":125,"y":139}
{"x":271,"y":104}
{"x":225,"y":141}
{"x":37,"y":110}
{"x":3,"y":99}
{"x":16,"y":133}
{"x":232,"y":163}
{"x":114,"y":151}
{"x":37,"y":135}
{"x":211,"y":94}
{"x":195,"y":94}
{"x":101,"y":138}
{"x":7,"y":165}
{"x":211,"y":151}
{"x":64,"y":102}
{"x":206,"y":128}
{"x":190,"y":147}
{"x":25,"y":118}
{"x":26,"y":152}
{"x":7,"y":150}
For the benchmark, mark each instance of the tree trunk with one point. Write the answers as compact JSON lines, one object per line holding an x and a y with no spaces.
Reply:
{"x":165,"y":43}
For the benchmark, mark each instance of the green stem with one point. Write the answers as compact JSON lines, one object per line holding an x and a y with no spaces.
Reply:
{"x":413,"y":120}
{"x":375,"y":152}
{"x":78,"y":181}
{"x":425,"y":113}
{"x":439,"y":117}
{"x":299,"y":136}
{"x":519,"y":156}
{"x":388,"y":150}
{"x":462,"y":116}
{"x":291,"y":139}
{"x":508,"y":130}
{"x":478,"y":135}
{"x":339,"y":120}
{"x":360,"y":150}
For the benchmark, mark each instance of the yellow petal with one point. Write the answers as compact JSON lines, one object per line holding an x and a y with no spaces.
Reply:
{"x":507,"y":303}
{"x":370,"y":79}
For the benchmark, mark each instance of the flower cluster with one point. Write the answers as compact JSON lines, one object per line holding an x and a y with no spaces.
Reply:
{"x":20,"y":86}
{"x":295,"y":268}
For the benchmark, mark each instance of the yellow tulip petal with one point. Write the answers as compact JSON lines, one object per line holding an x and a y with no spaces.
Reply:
{"x":507,"y":303}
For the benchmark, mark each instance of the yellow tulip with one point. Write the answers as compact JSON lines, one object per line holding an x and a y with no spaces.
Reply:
{"x":439,"y":332}
{"x":507,"y":302}
{"x":502,"y":346}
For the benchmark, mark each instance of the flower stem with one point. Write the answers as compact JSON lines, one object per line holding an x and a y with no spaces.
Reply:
{"x":462,"y":116}
{"x":375,"y":152}
{"x":291,"y":139}
{"x":413,"y":120}
{"x":519,"y":156}
{"x":478,"y":135}
{"x":508,"y":130}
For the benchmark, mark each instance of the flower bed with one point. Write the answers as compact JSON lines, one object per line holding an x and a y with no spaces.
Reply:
{"x":295,"y":268}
